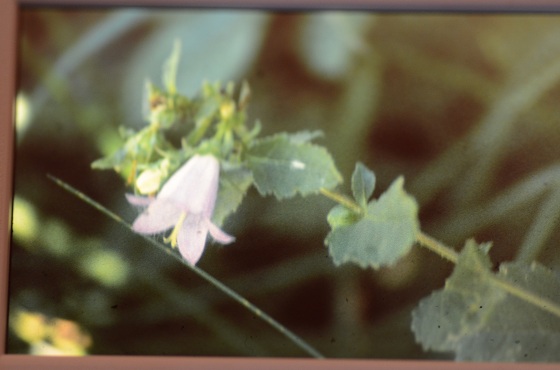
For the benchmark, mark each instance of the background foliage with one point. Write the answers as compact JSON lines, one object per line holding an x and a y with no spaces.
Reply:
{"x":463,"y":106}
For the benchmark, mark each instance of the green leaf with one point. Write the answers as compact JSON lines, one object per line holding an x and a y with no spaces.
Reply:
{"x":170,"y":67}
{"x":363,"y":184}
{"x":141,"y":150}
{"x":284,"y":167}
{"x":385,"y":233}
{"x":234,"y":183}
{"x":208,"y":108}
{"x":479,"y":321}
{"x":110,"y":162}
{"x":341,"y":216}
{"x":305,"y":136}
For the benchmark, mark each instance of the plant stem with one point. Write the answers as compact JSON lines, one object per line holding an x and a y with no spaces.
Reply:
{"x":519,"y":292}
{"x":203,"y":274}
{"x":527,"y":296}
{"x":342,"y":200}
{"x":439,"y":248}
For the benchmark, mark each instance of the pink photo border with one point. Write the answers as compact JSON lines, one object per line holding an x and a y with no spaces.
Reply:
{"x":8,"y":73}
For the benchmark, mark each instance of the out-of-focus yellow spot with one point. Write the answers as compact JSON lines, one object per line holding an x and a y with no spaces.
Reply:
{"x":149,"y":181}
{"x":50,"y":336}
{"x":68,"y":337}
{"x":57,"y":237}
{"x":30,"y":327}
{"x":226,"y":109}
{"x":25,"y":224}
{"x":105,"y":266}
{"x":23,"y":113}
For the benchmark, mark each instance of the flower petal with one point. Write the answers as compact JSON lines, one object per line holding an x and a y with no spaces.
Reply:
{"x":192,"y":238}
{"x":176,"y":183}
{"x":194,"y":186}
{"x":139,"y":201}
{"x":158,"y":217}
{"x":208,"y":183}
{"x":218,"y":234}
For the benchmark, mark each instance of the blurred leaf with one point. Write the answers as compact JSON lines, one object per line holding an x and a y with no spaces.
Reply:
{"x":385,"y":233}
{"x":105,"y":266}
{"x":479,"y":321}
{"x":363,"y":184}
{"x":169,"y":77}
{"x":234,"y":183}
{"x":57,"y":237}
{"x":305,"y":136}
{"x":284,"y":167}
{"x":25,"y":224}
{"x":165,"y":108}
{"x":142,"y":150}
{"x":330,"y":40}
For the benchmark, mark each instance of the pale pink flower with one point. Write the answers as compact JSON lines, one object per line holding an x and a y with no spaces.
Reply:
{"x":184,"y":203}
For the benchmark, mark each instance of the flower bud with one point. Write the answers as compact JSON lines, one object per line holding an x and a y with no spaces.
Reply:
{"x":149,"y":181}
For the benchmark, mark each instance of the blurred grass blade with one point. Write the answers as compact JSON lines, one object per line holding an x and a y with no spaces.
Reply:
{"x":209,"y":278}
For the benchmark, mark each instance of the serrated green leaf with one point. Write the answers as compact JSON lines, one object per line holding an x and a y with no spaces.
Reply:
{"x":305,"y":136}
{"x":284,"y":168}
{"x":233,"y":186}
{"x":363,"y":184}
{"x":479,"y":321}
{"x":385,"y":233}
{"x":511,"y":346}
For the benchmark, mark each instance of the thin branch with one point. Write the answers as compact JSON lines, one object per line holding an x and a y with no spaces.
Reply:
{"x":203,"y":274}
{"x":435,"y":246}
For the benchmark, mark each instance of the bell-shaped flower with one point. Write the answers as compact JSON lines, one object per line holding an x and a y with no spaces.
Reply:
{"x":185,"y":203}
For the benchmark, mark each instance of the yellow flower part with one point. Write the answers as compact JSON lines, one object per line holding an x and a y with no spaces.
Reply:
{"x":226,"y":109}
{"x":172,"y":238}
{"x":30,"y":327}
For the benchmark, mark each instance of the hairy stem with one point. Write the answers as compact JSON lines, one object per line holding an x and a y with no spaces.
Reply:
{"x":435,"y":246}
{"x":527,"y":296}
{"x":342,"y":200}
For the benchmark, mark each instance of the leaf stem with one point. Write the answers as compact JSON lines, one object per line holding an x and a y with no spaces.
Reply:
{"x":342,"y":200}
{"x":203,"y":274}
